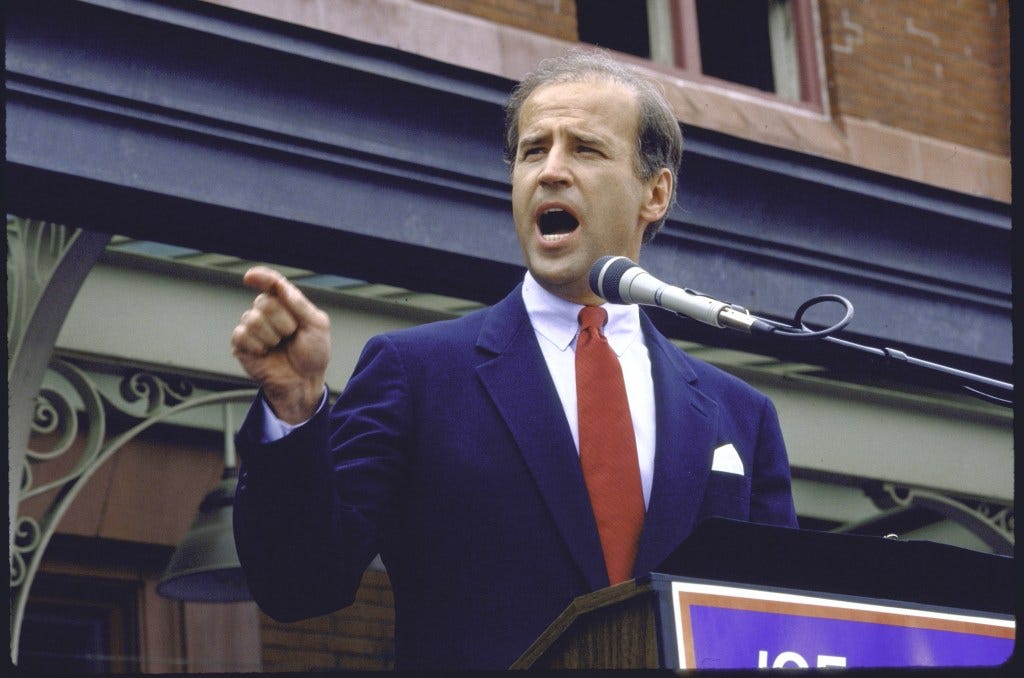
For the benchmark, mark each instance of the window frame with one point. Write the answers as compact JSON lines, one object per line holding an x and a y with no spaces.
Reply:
{"x":683,"y":48}
{"x":85,"y":598}
{"x":686,"y":47}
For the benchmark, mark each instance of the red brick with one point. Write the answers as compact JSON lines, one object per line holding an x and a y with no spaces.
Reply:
{"x":359,"y":637}
{"x":957,"y":86}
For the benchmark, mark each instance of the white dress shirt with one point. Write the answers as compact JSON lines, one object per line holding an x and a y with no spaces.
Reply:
{"x":555,"y":323}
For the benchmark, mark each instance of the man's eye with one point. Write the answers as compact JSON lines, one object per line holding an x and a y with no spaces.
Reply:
{"x":534,"y":150}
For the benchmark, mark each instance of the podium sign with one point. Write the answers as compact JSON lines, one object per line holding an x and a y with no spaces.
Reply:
{"x":721,"y":626}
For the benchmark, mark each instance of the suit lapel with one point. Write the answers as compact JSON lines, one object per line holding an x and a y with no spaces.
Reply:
{"x":519,"y":382}
{"x":686,"y":429}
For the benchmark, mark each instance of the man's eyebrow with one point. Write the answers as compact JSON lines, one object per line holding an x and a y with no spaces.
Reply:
{"x":579,"y":136}
{"x":589,"y":139}
{"x":532,"y":138}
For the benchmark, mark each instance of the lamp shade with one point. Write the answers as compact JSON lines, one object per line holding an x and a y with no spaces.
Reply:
{"x":205,"y":565}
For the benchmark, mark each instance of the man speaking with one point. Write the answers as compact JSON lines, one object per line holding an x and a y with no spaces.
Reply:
{"x":505,"y":462}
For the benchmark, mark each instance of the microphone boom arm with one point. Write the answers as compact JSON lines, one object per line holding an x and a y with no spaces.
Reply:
{"x":619,"y":280}
{"x":799,"y":330}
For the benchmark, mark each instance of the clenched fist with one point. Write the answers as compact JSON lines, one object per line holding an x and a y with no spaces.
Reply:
{"x":284,"y":343}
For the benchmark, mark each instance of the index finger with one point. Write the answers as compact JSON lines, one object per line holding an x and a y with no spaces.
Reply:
{"x":271,"y":282}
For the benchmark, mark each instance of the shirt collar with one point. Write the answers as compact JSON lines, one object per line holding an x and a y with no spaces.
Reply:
{"x":555,"y":319}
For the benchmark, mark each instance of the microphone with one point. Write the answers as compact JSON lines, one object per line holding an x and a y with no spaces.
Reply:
{"x":620,"y":281}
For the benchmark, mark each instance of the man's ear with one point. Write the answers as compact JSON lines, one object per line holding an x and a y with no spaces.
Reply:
{"x":658,"y":197}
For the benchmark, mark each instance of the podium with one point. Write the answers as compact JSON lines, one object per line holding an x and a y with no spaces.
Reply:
{"x":739,"y":595}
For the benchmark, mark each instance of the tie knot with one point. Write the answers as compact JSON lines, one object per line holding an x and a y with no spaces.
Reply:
{"x":593,"y":317}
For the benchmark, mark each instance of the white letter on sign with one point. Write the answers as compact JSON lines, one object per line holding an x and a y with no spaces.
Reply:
{"x":795,"y":660}
{"x":825,"y":660}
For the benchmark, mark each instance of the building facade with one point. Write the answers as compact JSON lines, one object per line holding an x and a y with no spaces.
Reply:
{"x":155,"y":149}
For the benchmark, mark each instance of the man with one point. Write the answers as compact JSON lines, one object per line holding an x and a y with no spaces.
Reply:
{"x":456,"y":450}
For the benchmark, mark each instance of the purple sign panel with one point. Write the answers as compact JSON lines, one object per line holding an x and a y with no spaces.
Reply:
{"x":720,"y":627}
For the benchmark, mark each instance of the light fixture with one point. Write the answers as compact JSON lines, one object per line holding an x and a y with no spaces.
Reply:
{"x":205,"y":565}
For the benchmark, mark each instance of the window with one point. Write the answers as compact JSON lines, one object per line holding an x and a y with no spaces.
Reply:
{"x":769,"y":45}
{"x":76,"y":625}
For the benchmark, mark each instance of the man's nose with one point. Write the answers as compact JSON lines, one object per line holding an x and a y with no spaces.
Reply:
{"x":556,"y":169}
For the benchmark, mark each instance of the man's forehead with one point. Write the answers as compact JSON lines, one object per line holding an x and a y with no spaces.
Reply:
{"x":582,"y":83}
{"x":590,"y":97}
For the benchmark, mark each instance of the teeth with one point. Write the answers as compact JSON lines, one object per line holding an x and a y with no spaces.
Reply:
{"x":554,"y":237}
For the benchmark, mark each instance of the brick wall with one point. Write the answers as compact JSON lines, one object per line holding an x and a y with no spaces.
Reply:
{"x":935,"y":67}
{"x":940,"y":68}
{"x":359,"y":638}
{"x":554,"y":18}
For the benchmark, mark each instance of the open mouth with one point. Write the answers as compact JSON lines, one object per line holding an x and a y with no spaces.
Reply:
{"x":556,"y":223}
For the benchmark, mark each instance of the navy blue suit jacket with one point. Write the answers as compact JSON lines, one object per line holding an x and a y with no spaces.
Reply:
{"x":448,"y":453}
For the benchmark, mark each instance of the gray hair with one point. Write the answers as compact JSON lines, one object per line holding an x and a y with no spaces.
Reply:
{"x":659,"y":138}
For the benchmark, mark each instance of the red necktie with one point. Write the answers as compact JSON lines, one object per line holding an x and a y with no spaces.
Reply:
{"x":608,"y":446}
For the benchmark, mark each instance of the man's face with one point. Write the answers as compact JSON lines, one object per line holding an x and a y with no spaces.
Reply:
{"x":576,"y":195}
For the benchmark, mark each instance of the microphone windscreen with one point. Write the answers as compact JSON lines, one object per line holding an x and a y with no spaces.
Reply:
{"x":605,"y":275}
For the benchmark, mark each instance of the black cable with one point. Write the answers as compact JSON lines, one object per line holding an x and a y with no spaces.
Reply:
{"x":800,"y":330}
{"x":803,"y":331}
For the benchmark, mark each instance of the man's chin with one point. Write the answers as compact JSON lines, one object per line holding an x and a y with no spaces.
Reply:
{"x":563,"y":283}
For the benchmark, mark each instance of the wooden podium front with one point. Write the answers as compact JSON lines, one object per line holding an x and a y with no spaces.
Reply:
{"x":614,"y":628}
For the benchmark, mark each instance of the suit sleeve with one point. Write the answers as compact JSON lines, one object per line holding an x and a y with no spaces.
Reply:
{"x":312,"y":509}
{"x":771,"y":494}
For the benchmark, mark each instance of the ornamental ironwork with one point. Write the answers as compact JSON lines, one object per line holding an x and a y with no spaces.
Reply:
{"x":991,"y":522}
{"x":76,"y":414}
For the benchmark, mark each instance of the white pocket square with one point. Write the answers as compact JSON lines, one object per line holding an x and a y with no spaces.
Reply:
{"x":727,"y":460}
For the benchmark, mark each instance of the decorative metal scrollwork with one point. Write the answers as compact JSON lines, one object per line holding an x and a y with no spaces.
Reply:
{"x":27,"y":536}
{"x":72,"y":416}
{"x":992,"y":523}
{"x":56,"y":414}
{"x":53,"y":415}
{"x":157,"y":391}
{"x":34,"y":248}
